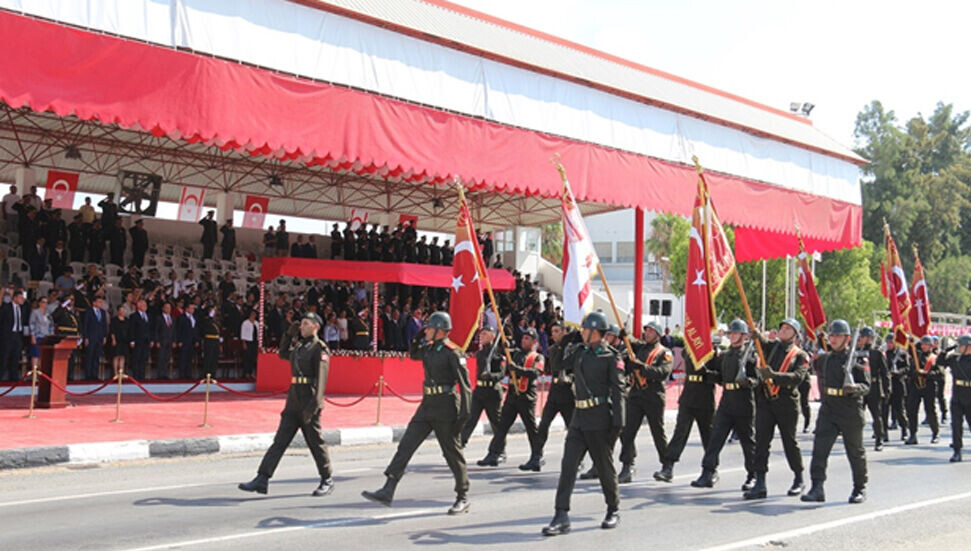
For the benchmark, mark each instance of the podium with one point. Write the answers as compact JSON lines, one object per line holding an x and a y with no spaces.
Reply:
{"x":54,"y":354}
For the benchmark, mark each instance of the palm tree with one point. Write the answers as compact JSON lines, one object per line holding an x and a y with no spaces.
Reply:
{"x":659,"y":244}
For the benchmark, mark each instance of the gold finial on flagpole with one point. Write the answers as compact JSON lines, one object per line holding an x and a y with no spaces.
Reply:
{"x":694,"y":159}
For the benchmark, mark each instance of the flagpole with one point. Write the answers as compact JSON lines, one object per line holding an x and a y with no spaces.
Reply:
{"x":910,"y":341}
{"x":821,"y":340}
{"x":738,"y":280}
{"x":613,"y":306}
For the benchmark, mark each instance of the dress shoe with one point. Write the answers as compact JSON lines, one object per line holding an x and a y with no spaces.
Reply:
{"x":858,"y":495}
{"x":758,"y":491}
{"x":815,"y":494}
{"x":260,"y":485}
{"x":534,"y":464}
{"x":326,"y":487}
{"x":666,"y":474}
{"x":490,"y":460}
{"x":460,"y":506}
{"x":912,"y":441}
{"x":707,"y":479}
{"x":878,"y":447}
{"x":626,"y":474}
{"x":797,"y":486}
{"x":592,"y":474}
{"x":611,"y":520}
{"x":559,"y":525}
{"x":956,"y":458}
{"x":749,"y":482}
{"x":385,"y":495}
{"x":935,"y":439}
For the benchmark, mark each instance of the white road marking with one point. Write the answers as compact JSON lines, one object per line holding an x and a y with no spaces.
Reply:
{"x":101,"y":494}
{"x":806,"y":530}
{"x":282,"y":530}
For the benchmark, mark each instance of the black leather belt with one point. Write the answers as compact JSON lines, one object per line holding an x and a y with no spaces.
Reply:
{"x":436,"y":390}
{"x":299,"y":381}
{"x":959,"y":382}
{"x":835,"y":392}
{"x":589,"y":403}
{"x":490,"y":384}
{"x":732,"y":386}
{"x":696,"y":378}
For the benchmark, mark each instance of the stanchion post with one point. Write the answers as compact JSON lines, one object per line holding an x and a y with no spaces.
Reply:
{"x":205,"y":411}
{"x":120,"y":377}
{"x":33,"y":392}
{"x":380,"y":393}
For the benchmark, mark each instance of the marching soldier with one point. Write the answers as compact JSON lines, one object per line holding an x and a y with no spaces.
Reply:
{"x":879,"y":385}
{"x":309,"y":362}
{"x":598,"y":384}
{"x":920,"y":387}
{"x":695,"y":405}
{"x":525,"y":368}
{"x":777,"y":405}
{"x":899,"y":366}
{"x":442,"y":411}
{"x":648,"y":371}
{"x":560,"y":399}
{"x":736,"y":411}
{"x":959,"y":363}
{"x":487,"y":396}
{"x":939,"y":381}
{"x":845,"y":383}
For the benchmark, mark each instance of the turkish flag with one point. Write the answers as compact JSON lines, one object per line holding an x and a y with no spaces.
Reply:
{"x":897,"y":291}
{"x":920,"y":314}
{"x":255,"y":211}
{"x":699,"y":317}
{"x":409,"y":219}
{"x":810,"y":306}
{"x":190,"y":203}
{"x":60,"y":188}
{"x":465,"y":299}
{"x":358,"y":219}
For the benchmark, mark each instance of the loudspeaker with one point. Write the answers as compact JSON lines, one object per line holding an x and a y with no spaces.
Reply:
{"x":655,"y":308}
{"x":665,"y":307}
{"x":139,"y":192}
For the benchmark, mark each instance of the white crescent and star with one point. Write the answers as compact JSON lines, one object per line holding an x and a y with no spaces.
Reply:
{"x":697,"y":236}
{"x":699,"y":278}
{"x":898,"y":272}
{"x":463,"y":247}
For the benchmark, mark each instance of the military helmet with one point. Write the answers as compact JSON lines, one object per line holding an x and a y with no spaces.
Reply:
{"x":531,"y":333}
{"x":964,"y":340}
{"x":596,"y":321}
{"x":792,"y":322}
{"x":868,"y":331}
{"x":927,"y":339}
{"x":439,"y":320}
{"x":839,"y":327}
{"x":655,"y":326}
{"x":614,"y":329}
{"x":737,"y":326}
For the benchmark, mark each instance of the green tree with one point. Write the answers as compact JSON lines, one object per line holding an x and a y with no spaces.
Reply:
{"x":846,"y":287}
{"x":551,"y":243}
{"x":948,"y":284}
{"x":663,"y":228}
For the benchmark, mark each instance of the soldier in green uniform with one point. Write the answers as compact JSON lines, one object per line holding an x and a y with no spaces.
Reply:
{"x":309,"y":362}
{"x":560,"y":399}
{"x":845,"y":382}
{"x":959,"y":362}
{"x":647,"y":371}
{"x":899,"y":366}
{"x":777,"y":405}
{"x":491,"y":368}
{"x":736,"y":411}
{"x":442,"y":411}
{"x":920,"y":388}
{"x":520,"y":401}
{"x":696,"y":405}
{"x":65,"y":320}
{"x":598,"y":384}
{"x":879,"y":387}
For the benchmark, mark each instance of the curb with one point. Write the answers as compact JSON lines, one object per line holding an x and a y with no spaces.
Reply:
{"x":106,"y":452}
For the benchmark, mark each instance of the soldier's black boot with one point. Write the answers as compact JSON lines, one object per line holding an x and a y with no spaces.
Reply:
{"x":805,"y":426}
{"x":460,"y":506}
{"x":858,"y":495}
{"x":758,"y":491}
{"x":559,"y":525}
{"x":912,"y":441}
{"x":797,"y":486}
{"x":935,"y":439}
{"x":534,"y":464}
{"x":749,"y":482}
{"x":816,"y":493}
{"x":611,"y":520}
{"x":592,"y":474}
{"x":956,"y":458}
{"x":626,"y":473}
{"x":879,"y":444}
{"x":260,"y":485}
{"x":490,"y":460}
{"x":385,"y":495}
{"x":666,"y":474}
{"x":707,"y":479}
{"x":326,"y":487}
{"x":893,"y":426}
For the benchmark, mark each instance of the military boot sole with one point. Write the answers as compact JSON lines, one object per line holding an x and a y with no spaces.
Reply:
{"x":589,"y":476}
{"x":258,"y":489}
{"x":755,"y":495}
{"x":796,"y":489}
{"x":372,"y":496}
{"x":459,"y":508}
{"x":556,"y":530}
{"x":325,"y":491}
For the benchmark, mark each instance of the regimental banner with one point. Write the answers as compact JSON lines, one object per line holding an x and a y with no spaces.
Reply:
{"x":190,"y":203}
{"x":60,"y":189}
{"x":255,"y":211}
{"x":358,"y":218}
{"x":465,"y":304}
{"x":580,"y":261}
{"x":897,"y":291}
{"x":810,"y":306}
{"x":920,"y":313}
{"x":698,"y":312}
{"x":408,"y":220}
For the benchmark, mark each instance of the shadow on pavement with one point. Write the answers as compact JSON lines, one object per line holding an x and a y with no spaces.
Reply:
{"x":488,"y":535}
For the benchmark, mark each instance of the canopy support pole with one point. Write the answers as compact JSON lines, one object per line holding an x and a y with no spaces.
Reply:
{"x":638,"y":269}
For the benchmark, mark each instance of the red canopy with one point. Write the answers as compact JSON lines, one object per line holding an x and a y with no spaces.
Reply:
{"x":384,"y":272}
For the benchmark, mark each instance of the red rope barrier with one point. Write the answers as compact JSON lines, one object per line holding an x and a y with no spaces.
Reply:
{"x":76,"y":394}
{"x":153,"y":396}
{"x":355,"y":402}
{"x":248,"y":394}
{"x":15,"y":383}
{"x":400,"y":397}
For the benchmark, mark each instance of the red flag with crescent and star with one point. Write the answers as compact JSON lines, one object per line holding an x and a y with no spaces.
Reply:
{"x":465,"y":299}
{"x":60,"y":188}
{"x":254,"y":212}
{"x":810,"y":306}
{"x":920,"y":313}
{"x":699,"y":316}
{"x":897,"y":291}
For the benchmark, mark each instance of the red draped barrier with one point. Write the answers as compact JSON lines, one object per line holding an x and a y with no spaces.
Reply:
{"x":355,"y":270}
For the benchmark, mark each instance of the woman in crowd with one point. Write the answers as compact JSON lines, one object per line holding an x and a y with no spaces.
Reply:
{"x":118,"y":343}
{"x":41,"y":325}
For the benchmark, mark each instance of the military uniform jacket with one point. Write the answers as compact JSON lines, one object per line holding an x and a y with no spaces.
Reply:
{"x":598,"y":374}
{"x":444,"y":366}
{"x":787,"y":382}
{"x":831,"y":367}
{"x":879,"y":374}
{"x":648,"y":377}
{"x":960,"y":367}
{"x":926,"y":371}
{"x":309,"y":361}
{"x":560,"y":372}
{"x":209,"y":329}
{"x":65,"y":322}
{"x":898,"y":364}
{"x":490,"y":369}
{"x":526,"y":367}
{"x":699,"y":385}
{"x":736,"y":399}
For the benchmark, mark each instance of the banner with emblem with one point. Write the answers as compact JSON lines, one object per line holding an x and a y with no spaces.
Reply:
{"x":357,"y":219}
{"x":190,"y":203}
{"x":580,"y":260}
{"x":810,"y":306}
{"x":920,"y":312}
{"x":699,"y":315}
{"x":465,"y":303}
{"x":254,"y":211}
{"x":897,"y":291}
{"x":408,"y":220}
{"x":60,"y":188}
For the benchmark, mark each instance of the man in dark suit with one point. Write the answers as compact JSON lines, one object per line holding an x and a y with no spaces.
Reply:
{"x":164,"y":341}
{"x":117,"y":241}
{"x":13,"y":320}
{"x":109,"y":211}
{"x":414,"y":325}
{"x":140,"y":333}
{"x":209,"y":229}
{"x":139,"y":243}
{"x":186,"y":334}
{"x":58,"y":259}
{"x":229,"y":239}
{"x":95,"y":335}
{"x":37,"y":259}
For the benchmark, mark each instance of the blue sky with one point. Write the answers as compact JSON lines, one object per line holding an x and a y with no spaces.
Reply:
{"x":836,"y":55}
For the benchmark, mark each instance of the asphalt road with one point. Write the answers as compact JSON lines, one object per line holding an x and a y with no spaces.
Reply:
{"x":917,"y":500}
